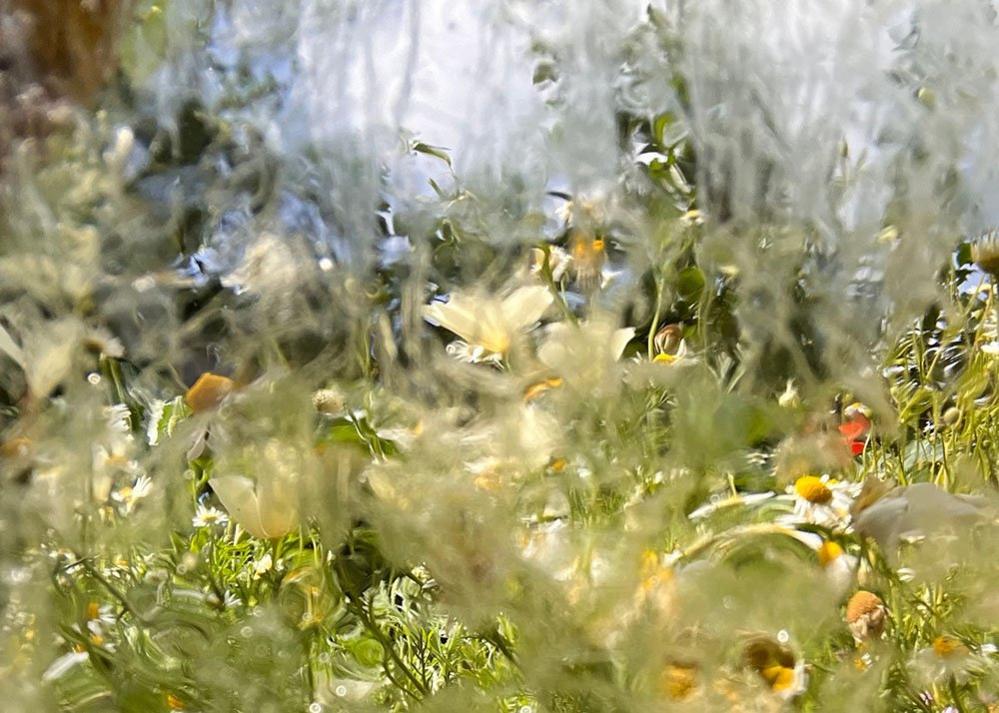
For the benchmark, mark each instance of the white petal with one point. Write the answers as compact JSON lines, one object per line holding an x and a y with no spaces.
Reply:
{"x":525,"y":306}
{"x":277,"y":507}
{"x":458,"y":315}
{"x":48,"y":355}
{"x":9,"y":347}
{"x":553,"y":352}
{"x":620,"y":340}
{"x":63,"y":664}
{"x":239,"y":497}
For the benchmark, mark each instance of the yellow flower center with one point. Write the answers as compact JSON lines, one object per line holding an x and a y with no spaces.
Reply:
{"x":812,"y":489}
{"x":493,"y":335}
{"x":665,"y":358}
{"x":585,"y":249}
{"x":678,"y":682}
{"x":780,"y":678}
{"x":653,"y":572}
{"x":828,"y":553}
{"x":947,"y":646}
{"x":93,"y":610}
{"x":488,"y":481}
{"x":588,"y":255}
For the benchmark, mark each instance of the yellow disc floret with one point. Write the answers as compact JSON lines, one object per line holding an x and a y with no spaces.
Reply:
{"x":947,"y":646}
{"x":828,"y":553}
{"x":780,"y":678}
{"x":813,"y":489}
{"x":678,"y":681}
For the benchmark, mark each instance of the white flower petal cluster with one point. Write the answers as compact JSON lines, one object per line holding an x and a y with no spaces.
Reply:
{"x":488,"y":326}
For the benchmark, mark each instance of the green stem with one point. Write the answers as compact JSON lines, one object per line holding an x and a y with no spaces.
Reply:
{"x":369,"y":623}
{"x":656,"y":317}
{"x":548,"y":278}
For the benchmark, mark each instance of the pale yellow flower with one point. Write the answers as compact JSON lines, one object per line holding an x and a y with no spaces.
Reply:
{"x":267,"y":509}
{"x":567,"y":347}
{"x":486,"y":325}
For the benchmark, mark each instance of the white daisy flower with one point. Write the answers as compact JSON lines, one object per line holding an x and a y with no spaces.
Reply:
{"x":838,"y":566}
{"x":129,"y":495}
{"x":262,"y":566}
{"x":209,"y":517}
{"x":946,"y":657}
{"x":821,"y":501}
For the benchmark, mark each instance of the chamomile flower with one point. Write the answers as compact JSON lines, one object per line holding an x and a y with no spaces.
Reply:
{"x":118,"y":418}
{"x":946,"y":657}
{"x":330,"y":402}
{"x":789,"y":398}
{"x":209,"y":517}
{"x":820,"y":500}
{"x":657,"y":581}
{"x":839,"y":567}
{"x":588,"y":258}
{"x":129,"y":495}
{"x":100,"y":341}
{"x":100,"y":613}
{"x":262,"y":566}
{"x":99,"y":618}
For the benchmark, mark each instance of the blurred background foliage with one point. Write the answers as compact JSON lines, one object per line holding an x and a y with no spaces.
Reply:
{"x":719,"y":428}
